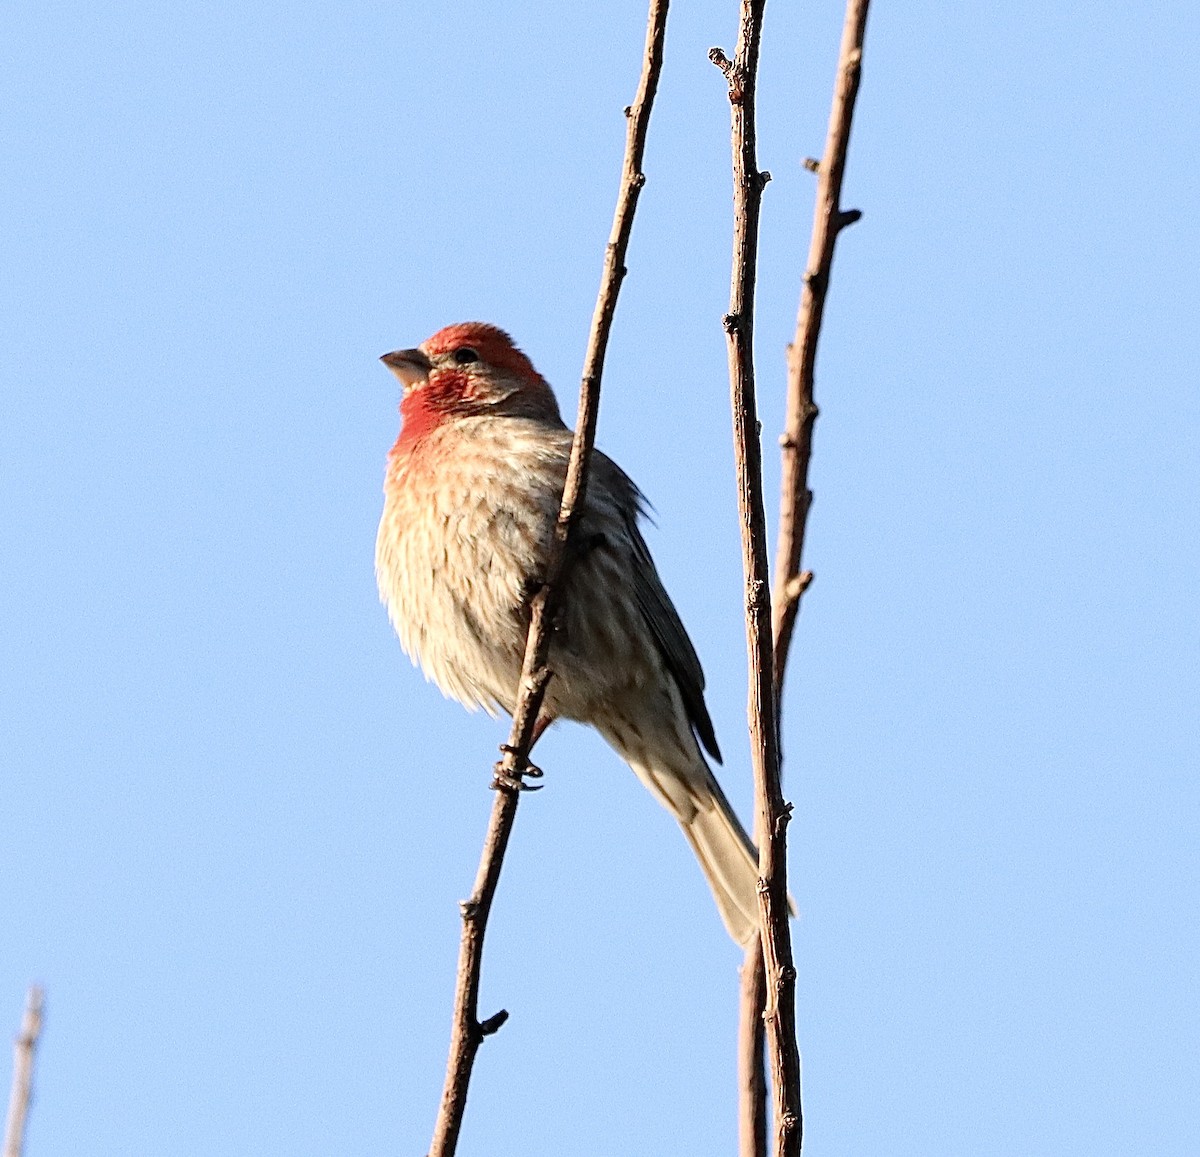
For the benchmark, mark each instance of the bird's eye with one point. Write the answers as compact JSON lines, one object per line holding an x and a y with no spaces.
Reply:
{"x":465,"y":355}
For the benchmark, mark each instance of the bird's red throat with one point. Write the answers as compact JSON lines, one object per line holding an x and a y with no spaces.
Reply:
{"x":426,"y":406}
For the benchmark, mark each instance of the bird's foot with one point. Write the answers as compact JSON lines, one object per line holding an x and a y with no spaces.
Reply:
{"x":512,"y":781}
{"x":504,"y":781}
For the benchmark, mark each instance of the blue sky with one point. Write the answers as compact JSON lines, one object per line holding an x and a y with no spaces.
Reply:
{"x":236,"y":822}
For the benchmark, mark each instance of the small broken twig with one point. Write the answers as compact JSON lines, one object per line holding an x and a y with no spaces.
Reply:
{"x":24,"y":1052}
{"x":468,"y":1031}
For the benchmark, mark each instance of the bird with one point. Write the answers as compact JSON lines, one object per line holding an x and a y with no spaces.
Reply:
{"x":471,"y":493}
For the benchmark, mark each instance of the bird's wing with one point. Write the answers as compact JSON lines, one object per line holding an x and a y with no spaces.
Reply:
{"x":658,"y":610}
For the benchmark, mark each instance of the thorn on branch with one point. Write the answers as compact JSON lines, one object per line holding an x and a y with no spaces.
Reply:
{"x":812,"y":164}
{"x":628,"y":111}
{"x":848,"y":217}
{"x":492,"y":1024}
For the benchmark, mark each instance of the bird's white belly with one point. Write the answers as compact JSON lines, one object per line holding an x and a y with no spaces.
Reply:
{"x":452,"y":569}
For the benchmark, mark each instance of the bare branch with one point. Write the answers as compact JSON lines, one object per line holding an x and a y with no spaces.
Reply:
{"x":790,"y":581}
{"x":467,"y":1031}
{"x":24,"y":1050}
{"x":752,"y":1075}
{"x":829,"y":219}
{"x":772,"y":812}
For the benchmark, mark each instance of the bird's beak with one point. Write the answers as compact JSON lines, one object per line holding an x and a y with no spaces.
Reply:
{"x":410,"y":366}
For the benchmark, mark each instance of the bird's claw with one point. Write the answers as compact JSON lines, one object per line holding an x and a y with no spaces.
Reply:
{"x":526,"y":768}
{"x":513,"y":781}
{"x":503,"y":781}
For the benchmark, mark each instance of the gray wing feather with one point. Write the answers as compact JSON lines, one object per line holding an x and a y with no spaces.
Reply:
{"x":658,"y":610}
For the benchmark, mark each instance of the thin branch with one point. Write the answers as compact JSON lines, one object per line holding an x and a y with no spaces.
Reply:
{"x":468,"y":1031}
{"x":829,"y":220}
{"x":772,"y":812}
{"x":790,"y":581}
{"x":752,"y":1073}
{"x":24,"y":1050}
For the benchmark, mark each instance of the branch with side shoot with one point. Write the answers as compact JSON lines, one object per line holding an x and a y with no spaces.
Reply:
{"x":796,"y":500}
{"x":772,"y":812}
{"x":829,"y":219}
{"x":468,"y":1031}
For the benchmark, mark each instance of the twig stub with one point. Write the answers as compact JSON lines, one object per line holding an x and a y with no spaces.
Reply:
{"x":493,"y":1023}
{"x":718,"y":57}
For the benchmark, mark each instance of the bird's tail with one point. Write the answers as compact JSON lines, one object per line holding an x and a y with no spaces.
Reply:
{"x":726,"y":853}
{"x":729,"y":862}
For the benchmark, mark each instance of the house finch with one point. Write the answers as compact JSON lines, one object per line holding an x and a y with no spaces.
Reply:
{"x":472,"y":492}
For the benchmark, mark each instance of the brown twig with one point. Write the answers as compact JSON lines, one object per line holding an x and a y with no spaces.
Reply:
{"x":829,"y":220}
{"x":752,"y":1074}
{"x":790,"y":581}
{"x":772,"y":812}
{"x":468,"y":1031}
{"x":24,"y":1050}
